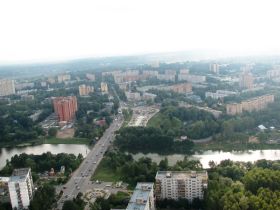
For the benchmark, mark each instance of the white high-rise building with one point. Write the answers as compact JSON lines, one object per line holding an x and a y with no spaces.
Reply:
{"x":104,"y":87}
{"x":142,"y":197}
{"x":180,"y":184}
{"x":21,"y":188}
{"x":7,"y":87}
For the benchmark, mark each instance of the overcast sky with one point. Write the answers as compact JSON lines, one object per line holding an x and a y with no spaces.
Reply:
{"x":35,"y":30}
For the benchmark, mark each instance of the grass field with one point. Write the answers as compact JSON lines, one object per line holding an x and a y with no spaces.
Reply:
{"x":105,"y":174}
{"x":67,"y":141}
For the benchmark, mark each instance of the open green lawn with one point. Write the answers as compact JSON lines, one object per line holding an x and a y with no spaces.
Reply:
{"x":105,"y":174}
{"x":66,"y":141}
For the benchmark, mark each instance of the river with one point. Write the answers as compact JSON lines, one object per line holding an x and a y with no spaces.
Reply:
{"x":204,"y":157}
{"x":217,"y":156}
{"x":7,"y":153}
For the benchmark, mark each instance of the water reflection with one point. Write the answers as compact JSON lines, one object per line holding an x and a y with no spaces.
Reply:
{"x":216,"y":156}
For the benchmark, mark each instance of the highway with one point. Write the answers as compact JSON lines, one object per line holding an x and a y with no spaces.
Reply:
{"x":80,"y":179}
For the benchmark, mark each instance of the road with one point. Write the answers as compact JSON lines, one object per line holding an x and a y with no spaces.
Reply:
{"x":80,"y":179}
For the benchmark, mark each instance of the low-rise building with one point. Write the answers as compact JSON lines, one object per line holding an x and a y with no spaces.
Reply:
{"x":142,"y":197}
{"x":149,"y":96}
{"x":133,"y":96}
{"x":180,"y":184}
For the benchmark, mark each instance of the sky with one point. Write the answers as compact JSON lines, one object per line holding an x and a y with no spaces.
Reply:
{"x":49,"y":30}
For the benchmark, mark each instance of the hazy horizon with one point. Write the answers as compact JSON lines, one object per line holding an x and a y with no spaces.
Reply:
{"x":54,"y":31}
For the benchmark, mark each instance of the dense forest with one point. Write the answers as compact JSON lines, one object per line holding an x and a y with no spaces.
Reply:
{"x":42,"y":163}
{"x":149,"y":139}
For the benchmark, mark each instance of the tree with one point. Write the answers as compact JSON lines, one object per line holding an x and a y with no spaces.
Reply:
{"x":52,"y":132}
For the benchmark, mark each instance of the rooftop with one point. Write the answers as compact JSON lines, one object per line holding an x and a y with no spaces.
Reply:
{"x":180,"y":174}
{"x":140,"y":196}
{"x":19,"y":174}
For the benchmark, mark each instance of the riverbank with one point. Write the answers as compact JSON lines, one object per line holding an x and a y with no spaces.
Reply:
{"x":227,"y":146}
{"x":46,"y":141}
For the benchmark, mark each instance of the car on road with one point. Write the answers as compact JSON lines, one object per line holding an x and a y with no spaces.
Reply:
{"x":94,"y":162}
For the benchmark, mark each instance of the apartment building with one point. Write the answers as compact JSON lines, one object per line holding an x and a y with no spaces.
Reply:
{"x":180,"y":184}
{"x":142,"y":197}
{"x":246,"y":80}
{"x":7,"y":87}
{"x":149,"y":96}
{"x":90,"y":77}
{"x":21,"y":188}
{"x":253,"y":104}
{"x":166,"y":77}
{"x":184,"y":71}
{"x":214,"y":68}
{"x":274,"y":73}
{"x":104,"y":87}
{"x":181,"y":88}
{"x":150,"y":74}
{"x":65,"y":107}
{"x":191,"y":78}
{"x":133,"y":96}
{"x":63,"y":77}
{"x":85,"y":90}
{"x":170,"y":72}
{"x":219,"y":94}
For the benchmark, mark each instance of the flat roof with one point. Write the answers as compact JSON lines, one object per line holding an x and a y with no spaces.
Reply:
{"x":140,"y":196}
{"x":179,"y":174}
{"x":19,"y":174}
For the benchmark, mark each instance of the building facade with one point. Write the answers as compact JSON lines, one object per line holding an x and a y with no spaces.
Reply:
{"x":246,"y":80}
{"x":85,"y":90}
{"x":7,"y":87}
{"x":142,"y":197}
{"x":63,"y":77}
{"x":90,"y":77}
{"x":65,"y":107}
{"x":166,"y":77}
{"x":133,"y":96}
{"x":21,"y":188}
{"x":215,"y":68}
{"x":181,"y":88}
{"x":104,"y":87}
{"x":180,"y":184}
{"x":253,"y":104}
{"x":191,"y":78}
{"x":219,"y":94}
